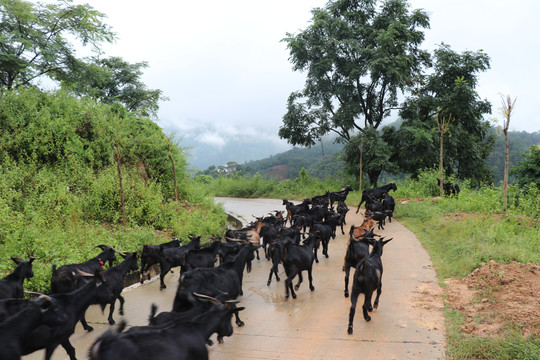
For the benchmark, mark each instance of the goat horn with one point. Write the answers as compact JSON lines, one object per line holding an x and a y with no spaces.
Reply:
{"x":121,"y":252}
{"x":32,"y":292}
{"x":213,"y":300}
{"x":83,"y":273}
{"x":45,"y":297}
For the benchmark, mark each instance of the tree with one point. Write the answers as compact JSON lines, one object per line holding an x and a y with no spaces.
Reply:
{"x":528,"y":170}
{"x":507,"y":107}
{"x":112,"y":79}
{"x":34,"y":38}
{"x":357,"y":54}
{"x":375,"y":157}
{"x":442,"y":123}
{"x":450,"y":88}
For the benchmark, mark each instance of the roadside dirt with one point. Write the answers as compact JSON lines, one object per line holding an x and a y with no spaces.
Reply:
{"x":496,"y":295}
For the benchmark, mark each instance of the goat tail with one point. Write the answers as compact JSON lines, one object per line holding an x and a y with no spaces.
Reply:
{"x":352,"y":230}
{"x":153,"y":311}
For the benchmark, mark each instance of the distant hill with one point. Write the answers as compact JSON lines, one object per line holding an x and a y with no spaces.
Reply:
{"x":321,"y":161}
{"x":286,"y":165}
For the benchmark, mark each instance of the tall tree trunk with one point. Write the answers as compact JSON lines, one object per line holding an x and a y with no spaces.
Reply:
{"x":508,"y":107}
{"x":175,"y":182}
{"x":361,"y":156}
{"x":441,"y":166}
{"x":118,"y":159}
{"x":506,"y":158}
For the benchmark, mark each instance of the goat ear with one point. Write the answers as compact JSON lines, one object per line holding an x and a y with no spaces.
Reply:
{"x":17,"y":260}
{"x":386,"y":241}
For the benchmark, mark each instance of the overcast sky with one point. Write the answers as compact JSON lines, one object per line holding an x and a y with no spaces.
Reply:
{"x":224,"y":69}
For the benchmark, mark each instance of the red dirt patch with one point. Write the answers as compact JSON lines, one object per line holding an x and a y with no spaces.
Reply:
{"x":496,"y":295}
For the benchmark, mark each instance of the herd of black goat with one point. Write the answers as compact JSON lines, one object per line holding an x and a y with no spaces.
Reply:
{"x":206,"y":297}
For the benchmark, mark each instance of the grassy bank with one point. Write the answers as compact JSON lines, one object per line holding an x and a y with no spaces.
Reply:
{"x":460,"y":237}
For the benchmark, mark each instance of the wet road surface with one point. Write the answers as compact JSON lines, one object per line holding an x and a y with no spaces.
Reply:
{"x":408,"y":324}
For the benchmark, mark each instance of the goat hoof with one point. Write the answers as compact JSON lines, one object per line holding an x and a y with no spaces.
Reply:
{"x":89,"y":329}
{"x":240,"y":323}
{"x":368,"y":318}
{"x":209,"y":342}
{"x":376,"y":305}
{"x":277,"y":279}
{"x":220,"y":339}
{"x":312,"y":288}
{"x":268,"y":283}
{"x":370,"y":309}
{"x":112,"y":322}
{"x":350,"y":330}
{"x":326,"y":255}
{"x":296,"y":287}
{"x":294,"y":296}
{"x":346,"y":294}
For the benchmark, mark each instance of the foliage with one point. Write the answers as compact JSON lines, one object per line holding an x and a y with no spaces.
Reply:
{"x":375,"y":156}
{"x":449,"y":90}
{"x":357,"y":55}
{"x":112,"y":79}
{"x":59,"y":186}
{"x":528,"y":170}
{"x":34,"y":38}
{"x":303,"y":186}
{"x":520,"y":143}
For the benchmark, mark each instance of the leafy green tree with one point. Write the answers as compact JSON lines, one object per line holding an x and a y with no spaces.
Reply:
{"x":34,"y":38}
{"x":376,"y":157}
{"x":112,"y":79}
{"x":449,"y":89}
{"x":528,"y":170}
{"x":357,"y":55}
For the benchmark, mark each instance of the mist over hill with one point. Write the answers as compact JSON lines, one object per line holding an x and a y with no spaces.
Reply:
{"x":323,"y":160}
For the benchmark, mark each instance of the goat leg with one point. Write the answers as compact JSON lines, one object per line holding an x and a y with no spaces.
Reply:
{"x":367,"y":305}
{"x":310,"y":278}
{"x":379,"y":290}
{"x":85,"y":324}
{"x":352,"y":311}
{"x":121,"y":310}
{"x":111,"y":320}
{"x":300,"y":280}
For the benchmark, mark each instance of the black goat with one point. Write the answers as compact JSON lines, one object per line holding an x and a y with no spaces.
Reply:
{"x":74,"y":305}
{"x":389,"y":205}
{"x":276,"y":251}
{"x":177,"y":340}
{"x":449,"y":188}
{"x":215,"y":282}
{"x":339,"y":195}
{"x":321,"y":200}
{"x":115,"y":282}
{"x":201,"y":258}
{"x":204,"y":303}
{"x":377,"y":193}
{"x":367,"y":278}
{"x":378,"y":216}
{"x":293,"y":209}
{"x":342,"y":210}
{"x":357,"y":249}
{"x":174,"y":256}
{"x":27,"y":316}
{"x":150,"y":255}
{"x":299,"y":258}
{"x":11,"y":286}
{"x":64,"y":279}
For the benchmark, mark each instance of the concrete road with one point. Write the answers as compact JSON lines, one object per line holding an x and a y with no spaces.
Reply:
{"x":408,"y":324}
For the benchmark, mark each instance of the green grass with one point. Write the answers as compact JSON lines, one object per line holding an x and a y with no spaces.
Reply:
{"x":459,"y":236}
